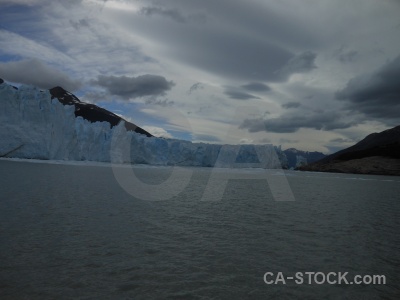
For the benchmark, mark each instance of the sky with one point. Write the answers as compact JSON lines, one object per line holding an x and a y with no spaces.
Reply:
{"x":316,"y":75}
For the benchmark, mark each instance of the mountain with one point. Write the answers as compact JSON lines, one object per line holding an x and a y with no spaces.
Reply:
{"x":378,"y":153}
{"x":54,"y":124}
{"x":297,"y":158}
{"x":92,"y":112}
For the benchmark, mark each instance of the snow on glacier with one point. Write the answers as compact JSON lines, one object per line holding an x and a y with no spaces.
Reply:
{"x":37,"y":127}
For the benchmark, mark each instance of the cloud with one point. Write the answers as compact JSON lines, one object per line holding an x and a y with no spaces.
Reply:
{"x":232,"y":55}
{"x":341,"y":140}
{"x":95,"y":96}
{"x":156,"y":101}
{"x":256,"y":87}
{"x":234,"y":93}
{"x":287,"y":141}
{"x":206,"y":138}
{"x":246,"y":141}
{"x":35,"y":72}
{"x":173,"y":14}
{"x":252,"y":41}
{"x":240,"y":93}
{"x":21,"y":2}
{"x":376,"y":95}
{"x":195,"y":87}
{"x":337,"y":144}
{"x":293,"y":122}
{"x":304,"y":62}
{"x":134,"y":87}
{"x":158,"y":131}
{"x":222,"y":50}
{"x":345,"y":56}
{"x":264,"y":141}
{"x":291,"y":105}
{"x":250,"y":45}
{"x":79,"y":24}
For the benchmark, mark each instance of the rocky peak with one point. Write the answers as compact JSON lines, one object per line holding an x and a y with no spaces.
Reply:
{"x":63,"y":96}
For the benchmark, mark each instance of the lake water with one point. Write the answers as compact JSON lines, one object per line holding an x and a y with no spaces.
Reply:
{"x":72,"y":232}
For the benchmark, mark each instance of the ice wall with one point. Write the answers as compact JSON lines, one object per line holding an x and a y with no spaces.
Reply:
{"x":35,"y":126}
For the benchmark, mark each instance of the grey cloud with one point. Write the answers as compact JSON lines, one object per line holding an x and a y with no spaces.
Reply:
{"x":156,"y":101}
{"x":79,"y":24}
{"x":377,"y":95}
{"x":256,"y":17}
{"x":256,"y":87}
{"x":206,"y":137}
{"x":292,"y":123}
{"x":345,"y":56}
{"x":234,"y":93}
{"x":233,"y":55}
{"x":341,"y":140}
{"x":223,"y":50}
{"x":94,"y":96}
{"x":338,"y":144}
{"x":334,"y":149}
{"x":70,"y":4}
{"x":35,"y":72}
{"x":264,"y":141}
{"x":301,"y":63}
{"x":291,"y":105}
{"x":173,"y":14}
{"x":306,"y":94}
{"x":287,"y":141}
{"x":133,"y":87}
{"x":195,"y":87}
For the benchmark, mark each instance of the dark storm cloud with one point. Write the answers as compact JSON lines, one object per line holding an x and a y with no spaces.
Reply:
{"x":256,"y":87}
{"x":377,"y":95}
{"x":255,"y":44}
{"x":255,"y":17}
{"x":301,"y":63}
{"x":291,"y":105}
{"x":35,"y":72}
{"x":233,"y":55}
{"x":293,"y":122}
{"x":235,"y":93}
{"x":133,"y":87}
{"x":345,"y":56}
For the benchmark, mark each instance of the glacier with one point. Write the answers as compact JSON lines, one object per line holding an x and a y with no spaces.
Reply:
{"x":35,"y":126}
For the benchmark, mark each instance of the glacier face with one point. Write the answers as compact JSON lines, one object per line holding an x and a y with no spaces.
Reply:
{"x":35,"y":126}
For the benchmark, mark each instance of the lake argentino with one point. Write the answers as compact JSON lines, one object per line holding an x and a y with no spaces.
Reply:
{"x":73,"y":232}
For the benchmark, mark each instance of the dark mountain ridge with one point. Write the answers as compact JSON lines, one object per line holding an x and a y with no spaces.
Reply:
{"x":385,"y":143}
{"x":92,"y":112}
{"x":377,"y":153}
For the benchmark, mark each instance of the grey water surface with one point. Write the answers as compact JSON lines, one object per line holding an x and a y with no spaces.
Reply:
{"x":72,"y":232}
